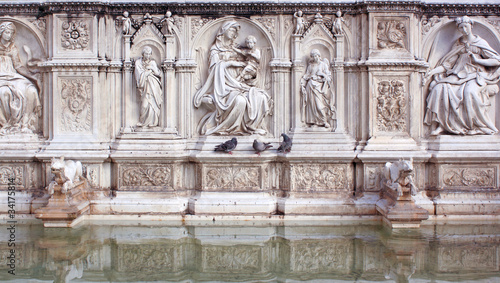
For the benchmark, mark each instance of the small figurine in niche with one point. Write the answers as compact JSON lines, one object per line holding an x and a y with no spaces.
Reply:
{"x":168,"y":22}
{"x":317,"y":95}
{"x":299,"y":23}
{"x":126,"y":23}
{"x":252,"y":59}
{"x":337,"y":25}
{"x":148,"y":79}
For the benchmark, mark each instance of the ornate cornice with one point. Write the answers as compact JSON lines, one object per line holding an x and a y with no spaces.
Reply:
{"x":247,"y":9}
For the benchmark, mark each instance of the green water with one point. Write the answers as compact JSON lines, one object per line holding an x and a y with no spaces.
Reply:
{"x":211,"y":252}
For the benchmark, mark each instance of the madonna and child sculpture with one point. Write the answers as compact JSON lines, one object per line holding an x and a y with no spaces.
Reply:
{"x":148,"y":79}
{"x":20,"y":104}
{"x":462,"y":83}
{"x":235,"y":105}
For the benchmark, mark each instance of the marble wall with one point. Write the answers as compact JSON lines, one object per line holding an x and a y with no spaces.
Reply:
{"x":141,"y":95}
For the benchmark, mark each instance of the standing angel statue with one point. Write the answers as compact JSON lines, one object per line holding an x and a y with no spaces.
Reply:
{"x":317,"y":92}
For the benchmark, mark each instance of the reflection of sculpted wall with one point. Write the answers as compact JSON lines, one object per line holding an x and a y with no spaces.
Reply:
{"x":142,"y":96}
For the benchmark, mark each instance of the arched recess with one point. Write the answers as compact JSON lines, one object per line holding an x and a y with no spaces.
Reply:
{"x":33,"y":34}
{"x":441,"y":40}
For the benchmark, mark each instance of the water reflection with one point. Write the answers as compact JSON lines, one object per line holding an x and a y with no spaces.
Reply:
{"x":363,"y":252}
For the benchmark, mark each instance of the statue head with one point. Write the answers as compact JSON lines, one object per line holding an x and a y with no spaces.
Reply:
{"x":168,"y":14}
{"x":125,"y":14}
{"x":315,"y":55}
{"x":339,"y":14}
{"x":7,"y":31}
{"x":229,"y":29}
{"x":464,"y":25}
{"x":147,"y":53}
{"x":250,"y":41}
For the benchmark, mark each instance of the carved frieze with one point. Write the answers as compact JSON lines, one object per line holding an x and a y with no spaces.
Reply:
{"x":146,"y":177}
{"x":391,"y":106}
{"x":461,"y":258}
{"x":8,"y":171}
{"x":148,"y":257}
{"x":232,"y":178}
{"x":317,"y":256}
{"x":75,"y":34}
{"x":320,"y":177}
{"x":472,"y":177}
{"x":226,"y":259}
{"x":76,"y":102}
{"x":391,"y":34}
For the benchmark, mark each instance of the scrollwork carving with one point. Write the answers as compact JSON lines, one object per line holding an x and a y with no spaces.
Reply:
{"x":469,"y":177}
{"x":269,"y":24}
{"x":11,"y":171}
{"x":309,"y":256}
{"x":197,"y":24}
{"x":76,"y":95}
{"x":232,"y":178}
{"x":75,"y":35}
{"x":146,"y":177}
{"x":319,"y":177}
{"x":150,"y":257}
{"x":391,"y":106}
{"x":230,"y":259}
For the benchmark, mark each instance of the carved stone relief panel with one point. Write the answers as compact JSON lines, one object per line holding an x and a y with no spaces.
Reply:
{"x":230,"y":259}
{"x":76,"y":104}
{"x":321,"y":178}
{"x":461,"y":258}
{"x":429,"y":23}
{"x":75,"y":35}
{"x":322,"y":256}
{"x":141,"y":177}
{"x":391,"y":34}
{"x":232,"y":178}
{"x":372,"y":176}
{"x":93,"y":174}
{"x":158,"y":257}
{"x":468,"y":177}
{"x":12,"y":171}
{"x":391,"y":107}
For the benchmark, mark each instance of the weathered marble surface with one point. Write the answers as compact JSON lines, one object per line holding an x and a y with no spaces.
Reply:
{"x":239,"y":69}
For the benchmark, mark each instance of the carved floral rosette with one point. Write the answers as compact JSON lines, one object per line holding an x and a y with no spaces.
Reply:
{"x":75,"y":35}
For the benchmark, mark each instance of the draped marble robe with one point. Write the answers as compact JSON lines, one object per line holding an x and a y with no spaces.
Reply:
{"x":149,"y":85}
{"x":458,"y":99}
{"x":235,"y":108}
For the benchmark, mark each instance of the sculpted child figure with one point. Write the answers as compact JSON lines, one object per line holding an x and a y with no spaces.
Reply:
{"x":252,"y":58}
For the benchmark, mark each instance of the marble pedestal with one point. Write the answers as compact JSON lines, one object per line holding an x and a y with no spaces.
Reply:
{"x":400,"y":211}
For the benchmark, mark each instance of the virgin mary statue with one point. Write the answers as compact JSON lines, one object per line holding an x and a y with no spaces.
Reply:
{"x":235,"y":108}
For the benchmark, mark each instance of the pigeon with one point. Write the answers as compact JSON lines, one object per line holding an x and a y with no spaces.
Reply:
{"x":286,"y":144}
{"x":261,"y":146}
{"x":227,"y":146}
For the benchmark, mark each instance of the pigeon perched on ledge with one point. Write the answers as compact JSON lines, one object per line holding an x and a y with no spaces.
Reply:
{"x":286,"y":144}
{"x":227,"y":146}
{"x":259,"y":146}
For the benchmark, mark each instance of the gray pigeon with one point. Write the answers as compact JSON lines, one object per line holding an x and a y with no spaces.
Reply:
{"x":261,"y":146}
{"x":286,"y":144}
{"x":227,"y":146}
